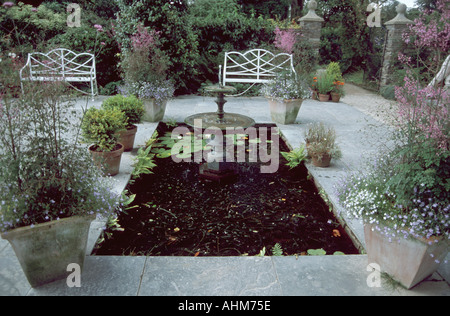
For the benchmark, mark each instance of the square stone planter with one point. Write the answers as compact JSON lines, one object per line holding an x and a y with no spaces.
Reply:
{"x":284,"y":111}
{"x":408,"y":261}
{"x":45,"y":250}
{"x":154,"y":110}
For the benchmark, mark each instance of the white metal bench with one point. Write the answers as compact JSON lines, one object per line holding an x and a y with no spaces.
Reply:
{"x":254,"y":66}
{"x":61,"y":65}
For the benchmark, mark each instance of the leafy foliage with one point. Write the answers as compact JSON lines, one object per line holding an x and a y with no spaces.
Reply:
{"x":221,"y":26}
{"x":295,"y":157}
{"x":100,"y":126}
{"x":132,"y":107}
{"x":178,"y":41}
{"x":26,"y":28}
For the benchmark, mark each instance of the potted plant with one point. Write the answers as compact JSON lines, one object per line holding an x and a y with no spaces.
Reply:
{"x":285,"y":95}
{"x":402,"y":196}
{"x":321,"y":144}
{"x":324,"y":86}
{"x":49,"y":190}
{"x":101,"y":127}
{"x":133,"y":109}
{"x":145,"y":74}
{"x":334,"y":70}
{"x":408,"y":239}
{"x":338,"y":91}
{"x":314,"y":91}
{"x":154,"y":96}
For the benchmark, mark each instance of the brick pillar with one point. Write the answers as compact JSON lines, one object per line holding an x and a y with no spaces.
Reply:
{"x":394,"y":43}
{"x":311,"y":25}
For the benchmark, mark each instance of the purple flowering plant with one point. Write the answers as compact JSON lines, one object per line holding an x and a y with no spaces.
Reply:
{"x":405,"y":191}
{"x":286,"y":86}
{"x":45,"y":174}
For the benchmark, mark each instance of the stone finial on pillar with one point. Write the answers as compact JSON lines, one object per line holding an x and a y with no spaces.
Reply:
{"x":311,"y":25}
{"x":394,"y":43}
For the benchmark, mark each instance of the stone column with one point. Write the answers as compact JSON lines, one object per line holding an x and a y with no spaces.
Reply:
{"x":311,"y":25}
{"x":394,"y":43}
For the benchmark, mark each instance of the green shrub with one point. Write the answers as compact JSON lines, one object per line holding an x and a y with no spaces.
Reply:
{"x":388,"y":92}
{"x":334,"y":70}
{"x":221,"y":26}
{"x":87,"y":39}
{"x":25,"y":29}
{"x":100,"y":126}
{"x":178,"y":40}
{"x":131,"y":106}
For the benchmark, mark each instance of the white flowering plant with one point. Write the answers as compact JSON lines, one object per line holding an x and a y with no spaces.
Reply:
{"x":285,"y":86}
{"x":369,"y":196}
{"x":159,"y":90}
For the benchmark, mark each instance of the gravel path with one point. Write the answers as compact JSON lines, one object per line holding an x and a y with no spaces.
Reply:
{"x":370,"y":103}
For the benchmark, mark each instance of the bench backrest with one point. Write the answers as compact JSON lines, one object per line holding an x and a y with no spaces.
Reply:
{"x":60,"y":62}
{"x":255,"y":66}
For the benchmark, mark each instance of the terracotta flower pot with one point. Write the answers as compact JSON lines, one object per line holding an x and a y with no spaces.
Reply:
{"x":324,"y":97}
{"x":126,"y":137}
{"x":407,"y":261}
{"x":323,"y":163}
{"x":284,"y":111}
{"x":335,"y":97}
{"x":108,"y":161}
{"x":45,"y":250}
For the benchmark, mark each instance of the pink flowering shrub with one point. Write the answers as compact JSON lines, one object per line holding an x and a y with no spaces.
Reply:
{"x":146,"y":62}
{"x":143,"y":39}
{"x":285,"y":40}
{"x":424,"y":110}
{"x":432,"y":29}
{"x":405,"y":192}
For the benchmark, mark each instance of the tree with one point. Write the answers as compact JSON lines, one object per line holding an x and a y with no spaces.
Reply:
{"x":176,"y":34}
{"x":427,"y":4}
{"x":296,"y":8}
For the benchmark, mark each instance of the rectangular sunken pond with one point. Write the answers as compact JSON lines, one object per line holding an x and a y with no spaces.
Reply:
{"x":179,"y":212}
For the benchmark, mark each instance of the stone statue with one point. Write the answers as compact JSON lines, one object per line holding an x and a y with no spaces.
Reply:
{"x":443,"y":76}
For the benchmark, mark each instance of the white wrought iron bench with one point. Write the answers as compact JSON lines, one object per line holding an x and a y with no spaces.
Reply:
{"x":61,"y":64}
{"x":254,"y":66}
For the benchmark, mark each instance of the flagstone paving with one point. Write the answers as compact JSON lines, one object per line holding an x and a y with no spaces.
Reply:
{"x":358,"y":133}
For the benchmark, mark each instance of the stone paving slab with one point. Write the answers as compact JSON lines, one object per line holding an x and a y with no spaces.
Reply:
{"x":322,"y":275}
{"x":221,"y":276}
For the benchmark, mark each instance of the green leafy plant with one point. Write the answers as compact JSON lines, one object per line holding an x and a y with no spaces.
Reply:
{"x":277,"y":250}
{"x":100,"y":126}
{"x":316,"y":252}
{"x":144,"y":163}
{"x":295,"y":157}
{"x":334,"y":70}
{"x":131,"y":106}
{"x":324,"y":83}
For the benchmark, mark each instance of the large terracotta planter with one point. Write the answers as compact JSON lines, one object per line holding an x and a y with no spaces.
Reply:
{"x":108,"y":161}
{"x":284,"y":111}
{"x":407,"y":261}
{"x":126,"y":137}
{"x":324,"y":97}
{"x":45,"y":250}
{"x":154,"y":110}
